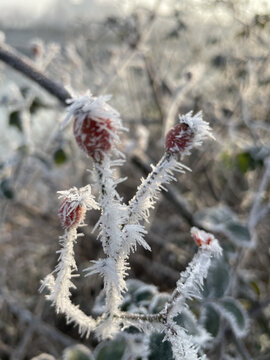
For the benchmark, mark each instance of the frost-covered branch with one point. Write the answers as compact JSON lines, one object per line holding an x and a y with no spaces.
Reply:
{"x":147,"y":194}
{"x":71,"y":213}
{"x":120,"y":227}
{"x":187,"y":134}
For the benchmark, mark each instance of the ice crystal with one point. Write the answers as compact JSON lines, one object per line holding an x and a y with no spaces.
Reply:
{"x":121,"y":229}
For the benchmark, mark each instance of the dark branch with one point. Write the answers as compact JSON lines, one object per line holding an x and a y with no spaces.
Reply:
{"x":24,"y":65}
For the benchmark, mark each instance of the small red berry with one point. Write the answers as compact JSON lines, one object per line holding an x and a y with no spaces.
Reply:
{"x":179,"y":138}
{"x":71,"y":213}
{"x":93,"y":136}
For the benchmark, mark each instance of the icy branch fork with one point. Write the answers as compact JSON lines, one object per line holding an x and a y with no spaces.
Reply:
{"x":120,"y":231}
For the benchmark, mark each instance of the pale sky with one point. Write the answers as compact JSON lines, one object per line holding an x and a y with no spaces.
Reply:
{"x":25,"y":12}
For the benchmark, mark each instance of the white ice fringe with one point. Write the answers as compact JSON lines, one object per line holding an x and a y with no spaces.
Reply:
{"x":120,"y":231}
{"x":96,"y":108}
{"x":59,"y":286}
{"x":191,"y":280}
{"x":80,"y":196}
{"x":183,"y":347}
{"x":199,"y":127}
{"x":113,"y":269}
{"x":147,"y":193}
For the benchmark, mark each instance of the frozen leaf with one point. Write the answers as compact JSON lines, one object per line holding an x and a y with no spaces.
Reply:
{"x":43,"y":356}
{"x":235,"y":314}
{"x":188,"y":321}
{"x":113,"y":349}
{"x":212,"y":217}
{"x":77,"y":352}
{"x":221,"y":219}
{"x":217,"y":280}
{"x":145,"y":294}
{"x":159,"y":349}
{"x":211,"y":320}
{"x":158,"y":302}
{"x":237,"y":233}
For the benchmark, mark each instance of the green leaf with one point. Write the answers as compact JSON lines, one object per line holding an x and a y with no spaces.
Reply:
{"x":60,"y":157}
{"x":255,"y":288}
{"x":77,"y":352}
{"x":158,"y":302}
{"x":235,"y":314}
{"x":159,"y":349}
{"x":211,"y":320}
{"x":6,"y":189}
{"x":217,"y":280}
{"x":15,"y":120}
{"x":113,"y":349}
{"x":245,"y":162}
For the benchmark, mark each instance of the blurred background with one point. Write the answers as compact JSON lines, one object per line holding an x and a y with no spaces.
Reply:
{"x":158,"y":59}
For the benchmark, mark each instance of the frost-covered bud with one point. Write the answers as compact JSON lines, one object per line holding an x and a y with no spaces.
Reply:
{"x":179,"y":138}
{"x":71,"y":213}
{"x":96,"y":124}
{"x":201,"y":237}
{"x":75,"y":203}
{"x":188,"y":133}
{"x":94,"y":137}
{"x":206,"y":241}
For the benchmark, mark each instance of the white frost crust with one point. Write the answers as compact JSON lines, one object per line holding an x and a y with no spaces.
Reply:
{"x":118,"y":240}
{"x":183,"y":347}
{"x":199,"y":127}
{"x":75,"y":197}
{"x":59,"y":286}
{"x":147,"y":193}
{"x":97,"y":109}
{"x":191,"y":280}
{"x":231,"y":318}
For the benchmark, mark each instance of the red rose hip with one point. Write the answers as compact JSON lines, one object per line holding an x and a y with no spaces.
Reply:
{"x":179,"y":138}
{"x":93,"y":136}
{"x":71,"y":213}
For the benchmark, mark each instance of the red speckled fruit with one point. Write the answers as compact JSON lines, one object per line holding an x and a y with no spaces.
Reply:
{"x":71,"y":214}
{"x":93,"y":136}
{"x":178,"y":138}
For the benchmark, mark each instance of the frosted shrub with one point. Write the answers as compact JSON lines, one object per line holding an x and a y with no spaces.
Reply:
{"x":120,"y":228}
